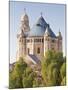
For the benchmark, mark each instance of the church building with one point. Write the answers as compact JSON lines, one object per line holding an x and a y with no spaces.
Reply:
{"x":33,"y":43}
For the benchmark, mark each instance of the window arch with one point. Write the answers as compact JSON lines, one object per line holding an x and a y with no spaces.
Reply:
{"x":38,"y":50}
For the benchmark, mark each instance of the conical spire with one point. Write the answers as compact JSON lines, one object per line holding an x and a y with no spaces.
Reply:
{"x":24,"y":16}
{"x":25,"y":10}
{"x":59,"y":34}
{"x":41,"y":14}
{"x":24,"y":25}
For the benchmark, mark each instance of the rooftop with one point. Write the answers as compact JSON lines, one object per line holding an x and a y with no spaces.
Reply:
{"x":39,"y":28}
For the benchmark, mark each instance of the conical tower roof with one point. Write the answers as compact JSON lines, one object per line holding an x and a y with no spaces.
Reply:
{"x":24,"y":17}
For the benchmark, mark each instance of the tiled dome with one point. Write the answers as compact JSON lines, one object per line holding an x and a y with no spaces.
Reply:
{"x":40,"y":27}
{"x":36,"y":31}
{"x":41,"y":22}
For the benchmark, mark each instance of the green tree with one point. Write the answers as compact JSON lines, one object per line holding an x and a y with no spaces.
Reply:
{"x":15,"y":80}
{"x":63,"y":70}
{"x":63,"y":83}
{"x":28,"y":78}
{"x":51,"y":68}
{"x":53,"y":75}
{"x":63,"y":73}
{"x":36,"y":83}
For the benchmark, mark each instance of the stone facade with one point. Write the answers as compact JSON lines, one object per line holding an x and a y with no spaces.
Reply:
{"x":37,"y":44}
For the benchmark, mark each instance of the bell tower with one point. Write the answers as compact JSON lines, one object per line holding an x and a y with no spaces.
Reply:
{"x":24,"y":25}
{"x":21,"y":36}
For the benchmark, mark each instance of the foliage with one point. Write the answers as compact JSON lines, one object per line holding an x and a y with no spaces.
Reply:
{"x":51,"y":66}
{"x":63,"y":81}
{"x":15,"y":76}
{"x":21,"y":76}
{"x":53,"y":72}
{"x":14,"y":81}
{"x":63,"y":73}
{"x":63,"y":70}
{"x":36,"y":83}
{"x":29,"y":75}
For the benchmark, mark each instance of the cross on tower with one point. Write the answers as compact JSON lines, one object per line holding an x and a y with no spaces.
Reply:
{"x":24,"y":10}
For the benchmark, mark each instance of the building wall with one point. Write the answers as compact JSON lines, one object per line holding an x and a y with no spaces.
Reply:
{"x":37,"y":45}
{"x":34,"y":45}
{"x":52,"y":44}
{"x":59,"y":45}
{"x":21,"y":46}
{"x":48,"y":45}
{"x":29,"y":45}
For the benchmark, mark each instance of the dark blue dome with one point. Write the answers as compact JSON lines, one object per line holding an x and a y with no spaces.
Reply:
{"x":39,"y":28}
{"x":41,"y":22}
{"x":36,"y":31}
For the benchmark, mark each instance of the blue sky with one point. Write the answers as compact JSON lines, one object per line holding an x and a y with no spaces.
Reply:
{"x":54,"y":14}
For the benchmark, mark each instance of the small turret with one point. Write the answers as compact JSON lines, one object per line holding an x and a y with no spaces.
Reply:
{"x":20,"y":34}
{"x":59,"y":35}
{"x":46,"y":39}
{"x":21,"y":40}
{"x":47,"y":33}
{"x":59,"y":44}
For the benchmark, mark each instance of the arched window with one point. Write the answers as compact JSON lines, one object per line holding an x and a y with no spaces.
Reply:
{"x":42,"y":40}
{"x":37,"y":40}
{"x":28,"y":50}
{"x":28,"y":40}
{"x":38,"y":50}
{"x":53,"y":41}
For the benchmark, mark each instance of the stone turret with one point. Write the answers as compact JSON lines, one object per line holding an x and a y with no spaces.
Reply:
{"x":46,"y":39}
{"x":21,"y":44}
{"x":21,"y":36}
{"x":59,"y":37}
{"x":47,"y":33}
{"x":24,"y":25}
